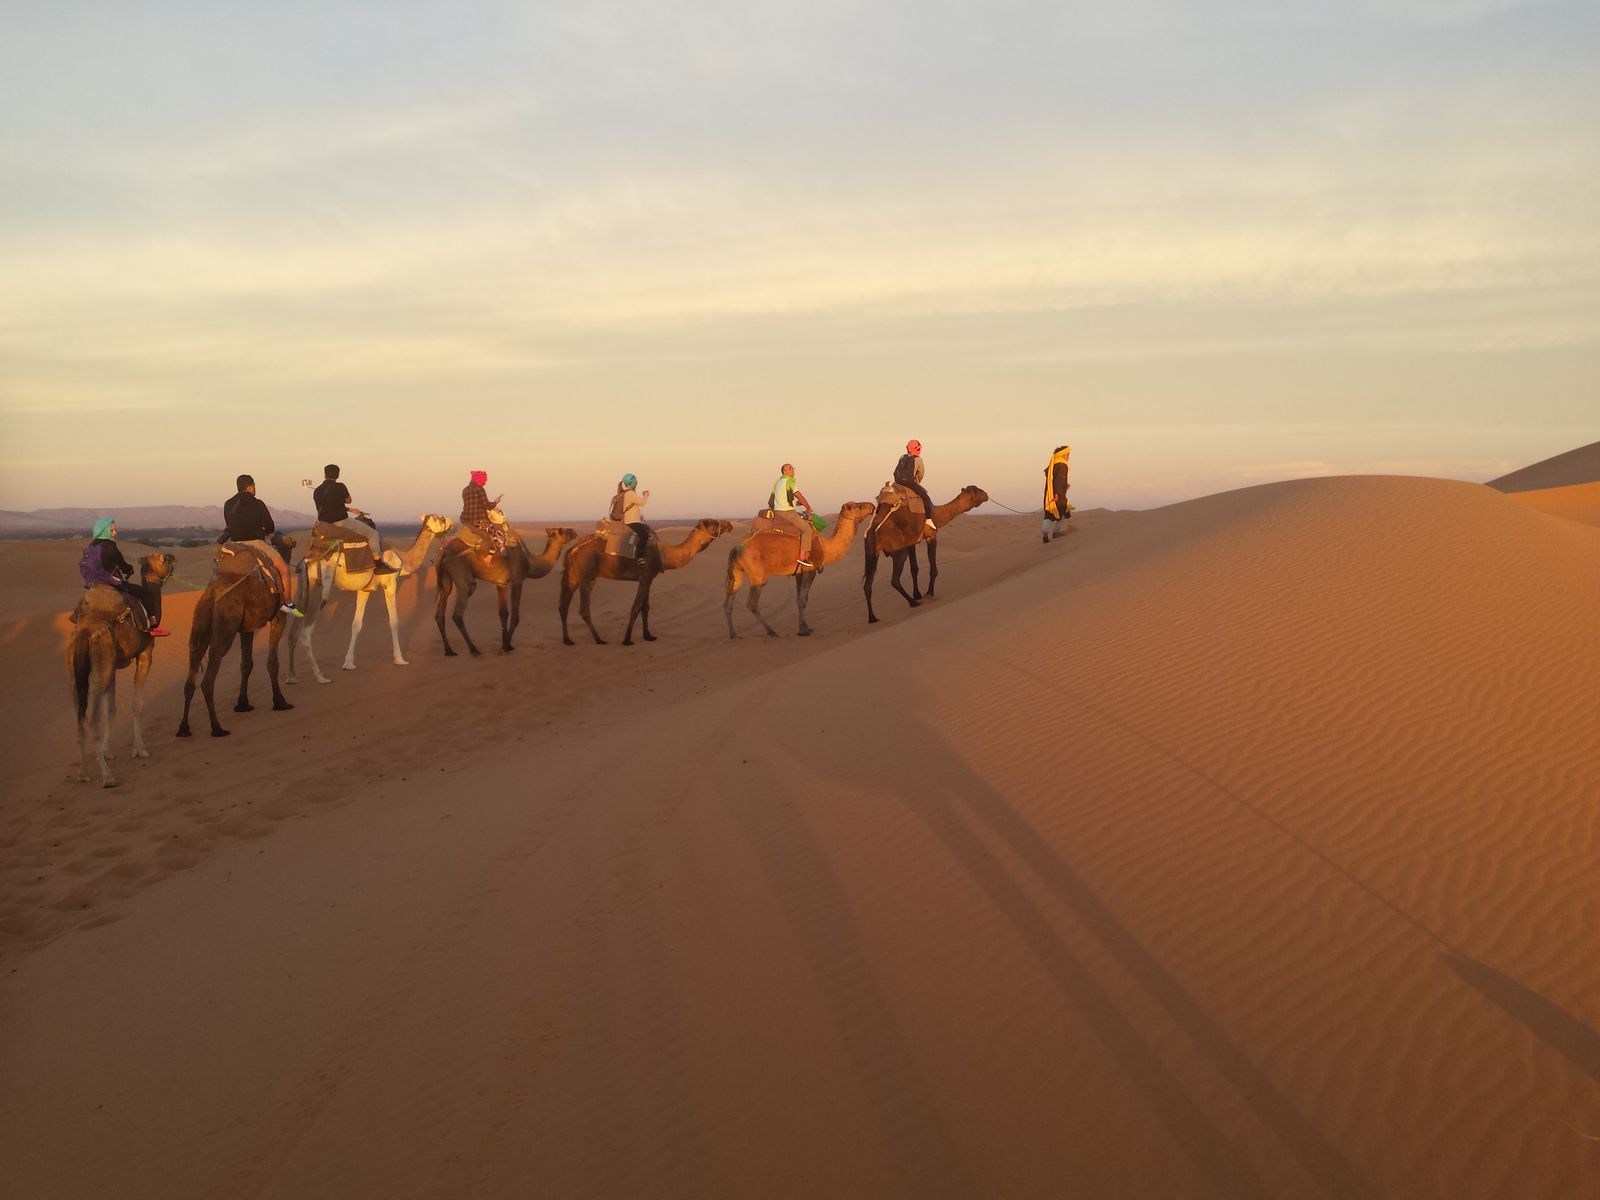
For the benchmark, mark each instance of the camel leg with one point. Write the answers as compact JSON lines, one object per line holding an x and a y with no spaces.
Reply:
{"x":141,"y":668}
{"x":275,"y":634}
{"x":505,"y":619}
{"x":106,"y":703}
{"x":303,"y":586}
{"x":458,"y":614}
{"x":802,"y":594}
{"x":584,"y":589}
{"x":355,"y":628}
{"x":391,"y":604}
{"x":197,"y":651}
{"x":563,"y":604}
{"x":898,"y":558}
{"x":516,"y":614}
{"x":644,"y":610}
{"x":220,"y":645}
{"x":730,"y":589}
{"x":753,"y":603}
{"x":301,"y":631}
{"x":866,"y":580}
{"x":911,"y":557}
{"x":444,"y":583}
{"x":247,"y":663}
{"x":640,"y":598}
{"x":933,"y":568}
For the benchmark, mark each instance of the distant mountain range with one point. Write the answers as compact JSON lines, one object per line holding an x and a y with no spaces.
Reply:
{"x":73,"y":522}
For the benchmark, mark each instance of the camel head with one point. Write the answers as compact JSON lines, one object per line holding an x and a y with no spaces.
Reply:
{"x":560,"y":535}
{"x":157,"y":568}
{"x":857,"y":510}
{"x":975,"y":494}
{"x":435,"y":524}
{"x":712,"y":527}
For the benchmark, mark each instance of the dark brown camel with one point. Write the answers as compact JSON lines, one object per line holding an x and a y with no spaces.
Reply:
{"x":461,"y":568}
{"x":229,"y":608}
{"x":897,"y":531}
{"x":587,"y":560}
{"x":770,"y":555}
{"x":105,"y":639}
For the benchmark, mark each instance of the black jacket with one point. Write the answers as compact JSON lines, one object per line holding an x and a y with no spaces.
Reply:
{"x":247,"y":519}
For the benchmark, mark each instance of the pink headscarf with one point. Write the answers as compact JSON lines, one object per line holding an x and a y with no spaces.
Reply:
{"x":480,"y":477}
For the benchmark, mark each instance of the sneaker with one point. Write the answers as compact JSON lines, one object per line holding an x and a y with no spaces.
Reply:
{"x":160,"y":632}
{"x":802,"y":564}
{"x":292,"y":610}
{"x":929,"y":523}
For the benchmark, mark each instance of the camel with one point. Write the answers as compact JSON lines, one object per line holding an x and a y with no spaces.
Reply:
{"x":460,"y":569}
{"x":105,"y":639}
{"x":587,"y":560}
{"x":770,"y":554}
{"x":896,"y":532}
{"x":234,"y":606}
{"x":321,"y":577}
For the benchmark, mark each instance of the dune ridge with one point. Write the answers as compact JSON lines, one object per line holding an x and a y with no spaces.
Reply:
{"x":1243,"y":847}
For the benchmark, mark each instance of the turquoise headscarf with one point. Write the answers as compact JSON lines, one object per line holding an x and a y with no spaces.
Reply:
{"x":630,"y":480}
{"x":102,"y":527}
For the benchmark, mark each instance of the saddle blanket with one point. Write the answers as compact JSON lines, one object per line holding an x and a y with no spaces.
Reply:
{"x":897,"y":495}
{"x":106,"y":601}
{"x":235,"y":560}
{"x":326,"y":539}
{"x":618,"y":538}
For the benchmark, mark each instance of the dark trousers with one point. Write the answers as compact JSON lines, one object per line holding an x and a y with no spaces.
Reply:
{"x":149,"y":598}
{"x":641,"y":540}
{"x":927,"y":500}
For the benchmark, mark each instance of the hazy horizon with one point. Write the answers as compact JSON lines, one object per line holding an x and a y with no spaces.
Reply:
{"x":564,"y":242}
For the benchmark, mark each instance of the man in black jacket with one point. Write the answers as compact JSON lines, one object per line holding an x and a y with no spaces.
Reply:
{"x":332,"y":499}
{"x":249,"y":521}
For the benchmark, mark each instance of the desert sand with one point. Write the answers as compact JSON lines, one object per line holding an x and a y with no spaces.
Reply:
{"x":1244,"y":847}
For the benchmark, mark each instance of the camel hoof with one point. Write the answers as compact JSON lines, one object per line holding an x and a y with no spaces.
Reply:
{"x":244,"y":706}
{"x":182,"y":732}
{"x":805,"y":633}
{"x":772,"y":633}
{"x":281,"y":706}
{"x":872,"y":620}
{"x":627,"y":641}
{"x":402,"y":662}
{"x":474,"y":651}
{"x":916,"y":604}
{"x":649,"y":637}
{"x":220,"y":732}
{"x":348,"y":667}
{"x":139,"y":754}
{"x":291,"y":679}
{"x":566,"y":641}
{"x":108,"y":782}
{"x":323,"y":679}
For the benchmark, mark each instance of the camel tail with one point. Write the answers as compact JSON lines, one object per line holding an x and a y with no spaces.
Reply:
{"x":81,"y":664}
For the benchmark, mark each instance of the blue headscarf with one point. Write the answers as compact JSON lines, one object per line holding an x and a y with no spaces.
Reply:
{"x":102,"y":527}
{"x":630,"y":480}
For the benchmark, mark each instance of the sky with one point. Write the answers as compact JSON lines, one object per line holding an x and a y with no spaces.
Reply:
{"x":1208,"y":246}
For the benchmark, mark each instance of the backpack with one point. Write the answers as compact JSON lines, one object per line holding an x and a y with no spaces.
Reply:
{"x":93,"y":568}
{"x":618,"y":503}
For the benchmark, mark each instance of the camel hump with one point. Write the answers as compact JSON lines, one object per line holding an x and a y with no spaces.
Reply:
{"x":101,"y":600}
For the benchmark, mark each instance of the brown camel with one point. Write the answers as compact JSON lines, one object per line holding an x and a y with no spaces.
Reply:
{"x":234,"y":606}
{"x":587,"y":561}
{"x":896,"y":532}
{"x":323,"y":576}
{"x":460,"y":569}
{"x":770,"y":554}
{"x":106,"y":637}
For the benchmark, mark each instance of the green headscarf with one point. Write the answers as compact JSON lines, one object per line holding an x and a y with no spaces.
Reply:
{"x":102,"y":527}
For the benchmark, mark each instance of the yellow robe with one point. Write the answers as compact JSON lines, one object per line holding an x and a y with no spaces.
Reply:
{"x":1056,"y":507}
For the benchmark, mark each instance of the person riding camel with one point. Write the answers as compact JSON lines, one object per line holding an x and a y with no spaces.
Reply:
{"x":627,"y":506}
{"x":908,"y":473}
{"x":250,"y":523}
{"x":102,"y":563}
{"x":791,"y":509}
{"x":476,"y":527}
{"x":332,"y":499}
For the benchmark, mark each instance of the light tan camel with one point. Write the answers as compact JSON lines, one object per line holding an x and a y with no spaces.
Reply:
{"x":770,"y":554}
{"x":106,"y":637}
{"x":586,"y":560}
{"x":460,"y":568}
{"x":319,"y":579}
{"x":896,"y":532}
{"x":235,"y":605}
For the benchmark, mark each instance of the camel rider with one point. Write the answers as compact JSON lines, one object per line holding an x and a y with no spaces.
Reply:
{"x":1056,"y":507}
{"x":627,"y":506}
{"x":332,"y":499}
{"x":102,"y":562}
{"x":250,"y":523}
{"x":476,"y":528}
{"x":792,"y":510}
{"x":908,"y":473}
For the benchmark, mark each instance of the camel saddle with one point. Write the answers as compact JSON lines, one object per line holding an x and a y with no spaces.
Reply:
{"x":472,"y":541}
{"x":327,"y":539}
{"x":618,"y":538}
{"x":897,"y":495}
{"x":237,"y":562}
{"x":768,"y":521}
{"x":103,"y":600}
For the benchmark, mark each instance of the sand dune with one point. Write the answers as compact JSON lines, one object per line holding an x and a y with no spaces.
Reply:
{"x":1563,"y":470}
{"x":1577,"y":502}
{"x":1245,"y":847}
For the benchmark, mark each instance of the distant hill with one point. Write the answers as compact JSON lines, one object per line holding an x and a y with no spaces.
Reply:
{"x":71,"y":522}
{"x":1575,"y":466}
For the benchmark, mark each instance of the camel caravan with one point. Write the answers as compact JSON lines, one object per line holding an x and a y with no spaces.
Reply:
{"x":252,"y":588}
